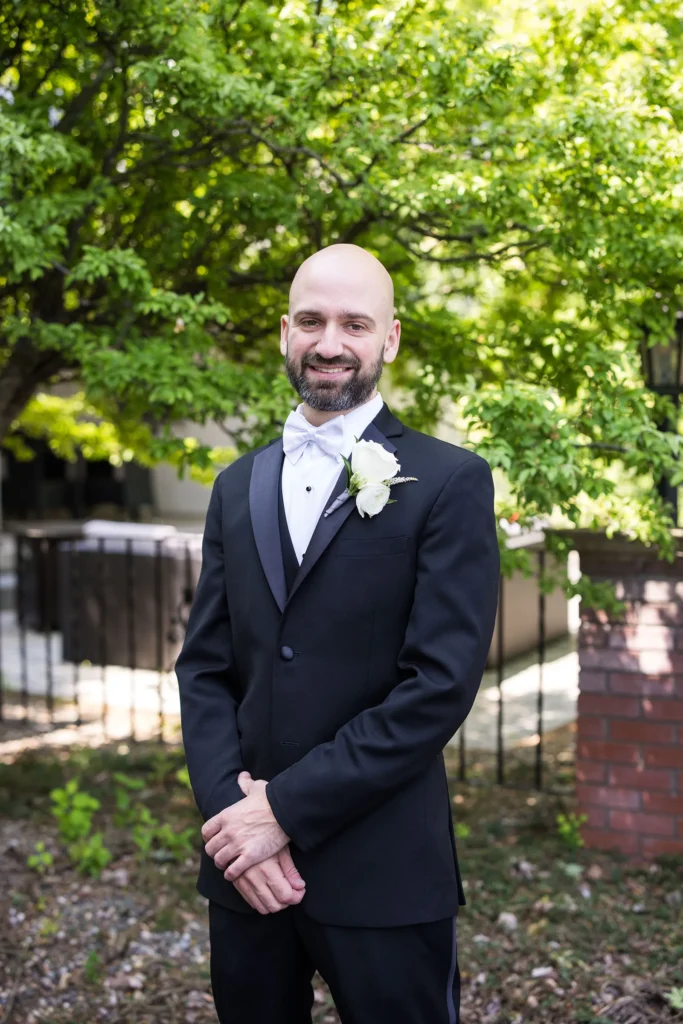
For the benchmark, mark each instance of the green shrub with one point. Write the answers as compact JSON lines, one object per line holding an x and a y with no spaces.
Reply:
{"x":569,"y":829}
{"x":92,"y":968}
{"x":157,"y":840}
{"x":126,"y":812}
{"x":74,"y":811}
{"x":675,"y":998}
{"x":90,"y":855}
{"x":42,"y":860}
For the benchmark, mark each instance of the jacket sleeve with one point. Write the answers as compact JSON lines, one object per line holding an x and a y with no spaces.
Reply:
{"x":204,"y":667}
{"x":440,"y":666}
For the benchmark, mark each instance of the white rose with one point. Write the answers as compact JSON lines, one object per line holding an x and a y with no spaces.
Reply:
{"x":372,"y":464}
{"x":372,"y":498}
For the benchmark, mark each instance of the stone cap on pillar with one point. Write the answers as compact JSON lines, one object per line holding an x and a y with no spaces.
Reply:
{"x":618,"y":555}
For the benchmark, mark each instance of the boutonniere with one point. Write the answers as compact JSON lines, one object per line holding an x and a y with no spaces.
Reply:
{"x":371,"y":472}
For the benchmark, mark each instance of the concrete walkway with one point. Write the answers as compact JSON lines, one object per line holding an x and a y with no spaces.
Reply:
{"x":559,"y":681}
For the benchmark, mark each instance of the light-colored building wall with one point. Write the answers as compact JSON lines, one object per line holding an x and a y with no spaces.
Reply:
{"x":180,"y":500}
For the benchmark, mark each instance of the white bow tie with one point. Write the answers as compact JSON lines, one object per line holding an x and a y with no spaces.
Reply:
{"x":298,"y":432}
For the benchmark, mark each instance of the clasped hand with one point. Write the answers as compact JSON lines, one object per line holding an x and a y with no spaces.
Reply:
{"x":247,"y":844}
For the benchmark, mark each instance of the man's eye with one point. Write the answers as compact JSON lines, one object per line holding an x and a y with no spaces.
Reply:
{"x":362,"y":326}
{"x":305,"y":323}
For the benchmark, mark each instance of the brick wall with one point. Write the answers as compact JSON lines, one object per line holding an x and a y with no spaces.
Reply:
{"x":630,"y":716}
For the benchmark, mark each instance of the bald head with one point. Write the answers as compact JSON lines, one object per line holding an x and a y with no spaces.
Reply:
{"x":351,"y":268}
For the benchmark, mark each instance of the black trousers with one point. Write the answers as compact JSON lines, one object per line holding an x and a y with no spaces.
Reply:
{"x":262,"y":967}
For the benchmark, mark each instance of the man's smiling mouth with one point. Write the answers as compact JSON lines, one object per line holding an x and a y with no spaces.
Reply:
{"x":330,"y":370}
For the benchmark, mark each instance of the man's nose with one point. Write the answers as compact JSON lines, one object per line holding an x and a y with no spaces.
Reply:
{"x":330,"y":344}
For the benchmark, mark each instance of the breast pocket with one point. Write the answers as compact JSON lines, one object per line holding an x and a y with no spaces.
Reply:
{"x":364,"y":547}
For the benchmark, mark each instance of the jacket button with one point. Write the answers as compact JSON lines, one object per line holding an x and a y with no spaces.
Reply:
{"x":286,"y":653}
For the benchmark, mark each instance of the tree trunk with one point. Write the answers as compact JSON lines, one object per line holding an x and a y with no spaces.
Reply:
{"x":24,"y":371}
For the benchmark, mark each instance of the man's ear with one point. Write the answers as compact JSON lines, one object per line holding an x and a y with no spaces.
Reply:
{"x":284,"y":330}
{"x":392,"y":341}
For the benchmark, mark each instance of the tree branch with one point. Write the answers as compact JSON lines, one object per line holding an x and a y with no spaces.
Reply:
{"x":488,"y":257}
{"x":117,"y":145}
{"x":283,"y":151}
{"x":604,"y":446}
{"x":24,"y":371}
{"x":85,"y":96}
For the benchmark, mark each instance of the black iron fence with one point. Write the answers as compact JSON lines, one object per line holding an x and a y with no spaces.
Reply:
{"x":95,"y":627}
{"x":91,"y":626}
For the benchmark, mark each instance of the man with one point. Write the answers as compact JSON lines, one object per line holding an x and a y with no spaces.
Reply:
{"x":334,"y":646}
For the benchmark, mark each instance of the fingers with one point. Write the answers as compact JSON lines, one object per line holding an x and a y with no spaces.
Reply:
{"x":281,"y":889}
{"x":244,"y":781}
{"x":289,"y":869}
{"x":256,"y":892}
{"x":238,"y":866}
{"x":211,"y":827}
{"x":249,"y":894}
{"x":245,"y":856}
{"x":220,"y":849}
{"x":268,"y":897}
{"x":225,"y":857}
{"x":266,"y":889}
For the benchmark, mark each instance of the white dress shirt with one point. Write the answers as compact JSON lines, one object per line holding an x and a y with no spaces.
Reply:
{"x":307,"y":483}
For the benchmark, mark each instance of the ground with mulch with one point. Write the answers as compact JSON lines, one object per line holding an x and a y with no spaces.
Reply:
{"x":550,"y":933}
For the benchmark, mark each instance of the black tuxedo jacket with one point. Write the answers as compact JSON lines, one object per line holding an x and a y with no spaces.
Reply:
{"x":343,"y":692}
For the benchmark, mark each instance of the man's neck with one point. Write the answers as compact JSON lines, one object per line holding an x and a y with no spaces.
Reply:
{"x":316,"y":417}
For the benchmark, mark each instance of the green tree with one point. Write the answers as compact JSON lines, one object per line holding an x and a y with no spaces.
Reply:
{"x":166,"y":167}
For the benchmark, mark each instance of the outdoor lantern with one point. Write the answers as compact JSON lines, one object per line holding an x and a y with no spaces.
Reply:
{"x":663,"y":372}
{"x":663,"y":363}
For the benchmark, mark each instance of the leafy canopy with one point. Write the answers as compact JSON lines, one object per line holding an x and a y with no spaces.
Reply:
{"x":165,"y":167}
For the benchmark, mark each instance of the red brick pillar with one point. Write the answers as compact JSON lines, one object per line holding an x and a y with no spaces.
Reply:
{"x":630,"y":719}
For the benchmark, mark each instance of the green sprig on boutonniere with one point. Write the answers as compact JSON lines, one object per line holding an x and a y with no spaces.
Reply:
{"x":371,"y":472}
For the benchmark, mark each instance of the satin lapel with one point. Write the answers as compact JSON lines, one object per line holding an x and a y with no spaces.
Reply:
{"x":263,"y":491}
{"x":373,"y":433}
{"x":327,"y":527}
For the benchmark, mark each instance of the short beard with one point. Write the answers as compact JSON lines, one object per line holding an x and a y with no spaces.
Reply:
{"x":330,"y":397}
